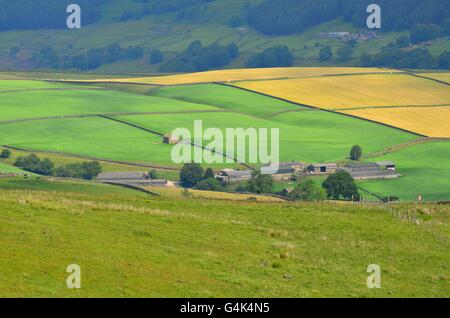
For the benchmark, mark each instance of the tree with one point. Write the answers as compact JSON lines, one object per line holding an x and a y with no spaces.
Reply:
{"x":425,"y":32}
{"x":44,"y":167}
{"x":209,"y":173}
{"x":403,"y":41}
{"x":191,"y":174}
{"x":444,"y":60}
{"x":5,"y":154}
{"x":233,"y":50}
{"x":277,"y":56}
{"x":209,"y":184}
{"x":156,"y":57}
{"x":356,"y":153}
{"x":341,"y":185}
{"x":446,"y":27}
{"x":306,"y":190}
{"x":14,"y":51}
{"x":27,"y":162}
{"x":344,"y":53}
{"x":236,"y":21}
{"x":325,"y":53}
{"x":260,"y":183}
{"x":153,"y":174}
{"x":90,"y":170}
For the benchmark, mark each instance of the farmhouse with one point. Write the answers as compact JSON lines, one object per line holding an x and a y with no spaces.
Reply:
{"x":227,"y":176}
{"x":321,"y":168}
{"x":137,"y":179}
{"x":371,"y":170}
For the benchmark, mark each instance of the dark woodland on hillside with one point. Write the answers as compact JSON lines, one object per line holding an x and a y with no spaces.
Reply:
{"x":281,"y":17}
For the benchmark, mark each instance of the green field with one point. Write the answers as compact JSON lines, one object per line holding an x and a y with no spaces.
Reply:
{"x":425,"y":170}
{"x":305,"y":135}
{"x":132,"y":245}
{"x":4,"y":168}
{"x":32,"y":104}
{"x":92,"y":137}
{"x":227,"y":98}
{"x":311,"y":140}
{"x":10,"y":85}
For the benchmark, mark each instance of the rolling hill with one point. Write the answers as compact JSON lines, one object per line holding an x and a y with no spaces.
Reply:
{"x":172,"y":29}
{"x":320,"y":112}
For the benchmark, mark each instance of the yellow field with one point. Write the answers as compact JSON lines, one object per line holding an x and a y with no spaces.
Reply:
{"x":356,"y":91}
{"x":428,"y":121}
{"x":445,"y":77}
{"x":177,"y":193}
{"x":247,"y":75}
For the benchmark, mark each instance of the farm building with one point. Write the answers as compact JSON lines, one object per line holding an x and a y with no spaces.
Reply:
{"x":387,"y":165}
{"x":137,"y":179}
{"x":227,"y":176}
{"x":371,"y":170}
{"x":170,"y":139}
{"x":119,"y":176}
{"x":321,"y":168}
{"x":287,"y":169}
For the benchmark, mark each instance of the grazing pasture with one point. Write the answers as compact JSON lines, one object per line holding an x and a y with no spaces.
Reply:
{"x":425,"y":170}
{"x":133,"y":245}
{"x":33,"y":104}
{"x":305,"y":136}
{"x":91,"y":137}
{"x":428,"y":121}
{"x":179,"y":193}
{"x":4,"y":168}
{"x":228,"y":98}
{"x":357,"y":91}
{"x":246,"y":75}
{"x":8,"y":85}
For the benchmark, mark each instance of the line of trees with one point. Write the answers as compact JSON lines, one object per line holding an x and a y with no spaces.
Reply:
{"x":192,"y":175}
{"x":92,"y":59}
{"x":197,"y":58}
{"x":185,"y":8}
{"x":395,"y":57}
{"x":277,"y":56}
{"x":45,"y":167}
{"x":281,"y":17}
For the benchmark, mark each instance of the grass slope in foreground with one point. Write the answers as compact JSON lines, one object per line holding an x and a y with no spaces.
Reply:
{"x":425,"y":168}
{"x":130,"y":245}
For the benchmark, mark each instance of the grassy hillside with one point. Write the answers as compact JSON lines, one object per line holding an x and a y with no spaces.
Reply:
{"x":227,"y":98}
{"x":166,"y":32}
{"x":83,"y":101}
{"x":131,"y":245}
{"x":4,"y":168}
{"x":307,"y":141}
